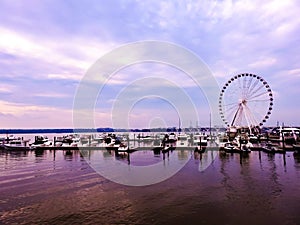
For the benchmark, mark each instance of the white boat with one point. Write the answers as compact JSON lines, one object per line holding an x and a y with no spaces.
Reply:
{"x":231,"y":148}
{"x":160,"y":136}
{"x":170,"y":138}
{"x":113,"y":143}
{"x":41,"y":141}
{"x":157,"y":145}
{"x":18,"y":145}
{"x":99,"y":138}
{"x":182,"y":137}
{"x":123,"y":148}
{"x":200,"y":139}
{"x":222,"y":140}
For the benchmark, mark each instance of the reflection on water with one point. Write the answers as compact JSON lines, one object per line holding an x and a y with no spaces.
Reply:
{"x":60,"y":187}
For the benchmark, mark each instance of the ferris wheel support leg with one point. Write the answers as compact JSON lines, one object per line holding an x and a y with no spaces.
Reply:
{"x":247,"y":120}
{"x":235,"y":115}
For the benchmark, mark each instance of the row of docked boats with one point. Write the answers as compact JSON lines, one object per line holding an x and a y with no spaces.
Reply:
{"x":18,"y":143}
{"x":277,"y":140}
{"x":159,"y":141}
{"x":181,"y":138}
{"x":109,"y":141}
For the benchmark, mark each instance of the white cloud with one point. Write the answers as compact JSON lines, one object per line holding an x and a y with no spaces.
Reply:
{"x":77,"y":54}
{"x":18,"y":109}
{"x":65,"y":76}
{"x":16,"y":115}
{"x":294,"y":72}
{"x":7,"y":88}
{"x":52,"y":95}
{"x":263,"y":62}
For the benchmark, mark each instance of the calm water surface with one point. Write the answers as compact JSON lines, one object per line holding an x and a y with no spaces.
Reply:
{"x":60,"y":187}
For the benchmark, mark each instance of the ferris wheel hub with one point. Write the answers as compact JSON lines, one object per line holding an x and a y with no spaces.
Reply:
{"x":244,"y":101}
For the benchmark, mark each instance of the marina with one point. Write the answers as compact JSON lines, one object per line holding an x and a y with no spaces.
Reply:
{"x":242,"y":170}
{"x":45,"y":183}
{"x":269,"y":142}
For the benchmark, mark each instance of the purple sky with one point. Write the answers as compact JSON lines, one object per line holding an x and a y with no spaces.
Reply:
{"x":46,"y":47}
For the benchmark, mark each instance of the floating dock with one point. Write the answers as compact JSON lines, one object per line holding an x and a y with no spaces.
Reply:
{"x":189,"y":148}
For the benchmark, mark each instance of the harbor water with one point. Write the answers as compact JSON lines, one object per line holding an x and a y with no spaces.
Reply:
{"x":61,"y":187}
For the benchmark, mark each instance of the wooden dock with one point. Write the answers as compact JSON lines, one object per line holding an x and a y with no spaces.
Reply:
{"x":181,"y":148}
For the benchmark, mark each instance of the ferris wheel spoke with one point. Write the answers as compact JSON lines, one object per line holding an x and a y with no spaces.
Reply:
{"x":255,"y":91}
{"x":249,"y":84}
{"x":229,"y":109}
{"x":252,"y":87}
{"x":258,"y":95}
{"x":242,"y":88}
{"x":256,"y":115}
{"x":234,"y":103}
{"x":246,"y":117}
{"x":239,"y":86}
{"x":239,"y":119}
{"x":230,"y":113}
{"x":259,"y":100}
{"x":251,"y":115}
{"x":245,"y":87}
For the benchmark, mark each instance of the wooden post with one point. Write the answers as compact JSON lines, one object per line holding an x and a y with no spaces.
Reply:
{"x":241,"y":161}
{"x":200,"y":143}
{"x":128,"y":158}
{"x":128,"y":142}
{"x":283,"y":144}
{"x":240,"y":143}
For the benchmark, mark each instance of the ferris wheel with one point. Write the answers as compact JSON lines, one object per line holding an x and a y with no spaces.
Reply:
{"x":246,"y":100}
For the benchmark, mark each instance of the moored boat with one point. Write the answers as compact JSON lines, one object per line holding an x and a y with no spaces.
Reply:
{"x":18,"y":145}
{"x":123,"y":148}
{"x":271,"y":148}
{"x":41,"y":141}
{"x":231,"y":148}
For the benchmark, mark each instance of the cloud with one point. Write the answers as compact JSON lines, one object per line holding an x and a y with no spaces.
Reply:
{"x":295,"y":72}
{"x":64,"y":76}
{"x":76,"y":55}
{"x":51,"y":95}
{"x":17,"y":115}
{"x":18,"y":109}
{"x":263,"y":62}
{"x":7,"y":88}
{"x":46,"y":47}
